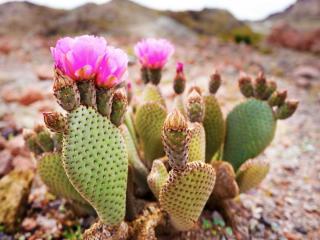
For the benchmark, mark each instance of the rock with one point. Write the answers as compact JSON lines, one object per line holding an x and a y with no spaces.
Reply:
{"x":22,"y":163}
{"x":307,"y":72}
{"x":44,"y":72}
{"x":29,"y":224}
{"x":8,"y":94}
{"x":14,"y":192}
{"x":5,"y":162}
{"x":30,"y":96}
{"x":16,"y":146}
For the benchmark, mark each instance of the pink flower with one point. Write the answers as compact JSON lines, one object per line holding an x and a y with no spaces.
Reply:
{"x":113,"y":68}
{"x":79,"y":57}
{"x":153,"y":53}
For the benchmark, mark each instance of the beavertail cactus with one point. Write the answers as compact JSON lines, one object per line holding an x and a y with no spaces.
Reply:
{"x":94,"y":155}
{"x":189,"y":185}
{"x":149,"y":120}
{"x":213,"y":121}
{"x":251,"y":125}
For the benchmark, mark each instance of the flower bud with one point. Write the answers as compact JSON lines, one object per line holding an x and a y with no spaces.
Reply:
{"x":104,"y":100}
{"x":65,"y":91}
{"x":271,"y":87}
{"x":175,"y":138}
{"x":245,"y":85}
{"x":195,"y":107}
{"x":287,"y":109}
{"x":119,"y":106}
{"x":87,"y":92}
{"x":214,"y":82}
{"x":31,"y":142}
{"x":277,"y":98}
{"x":179,"y":82}
{"x":260,"y":86}
{"x":55,"y":121}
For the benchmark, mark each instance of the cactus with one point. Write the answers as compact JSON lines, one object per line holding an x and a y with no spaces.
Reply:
{"x":189,"y":185}
{"x":149,"y":120}
{"x":251,"y":174}
{"x":251,"y":125}
{"x":187,"y":158}
{"x":214,"y":126}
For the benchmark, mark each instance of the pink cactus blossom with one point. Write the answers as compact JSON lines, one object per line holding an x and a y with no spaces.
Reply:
{"x":113,"y":68}
{"x":79,"y":57}
{"x":153,"y":53}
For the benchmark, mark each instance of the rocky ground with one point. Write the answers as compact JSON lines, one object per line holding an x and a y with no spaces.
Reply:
{"x":286,"y":205}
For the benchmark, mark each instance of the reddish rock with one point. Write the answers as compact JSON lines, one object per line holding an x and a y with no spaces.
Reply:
{"x":5,"y":162}
{"x":8,"y":94}
{"x":17,"y":146}
{"x":22,"y":163}
{"x":286,"y":36}
{"x":31,"y":96}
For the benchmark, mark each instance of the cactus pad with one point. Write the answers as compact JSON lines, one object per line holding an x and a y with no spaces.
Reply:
{"x":96,"y":162}
{"x":214,"y":126}
{"x":149,"y":122}
{"x":251,"y":174}
{"x":250,"y":129}
{"x":186,"y":192}
{"x":151,"y":93}
{"x":52,"y":173}
{"x":157,"y":177}
{"x":197,"y":144}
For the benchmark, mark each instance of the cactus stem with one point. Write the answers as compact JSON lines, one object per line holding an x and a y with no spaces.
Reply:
{"x":195,"y":106}
{"x":154,"y":75}
{"x":287,"y":109}
{"x":119,"y":106}
{"x":245,"y":85}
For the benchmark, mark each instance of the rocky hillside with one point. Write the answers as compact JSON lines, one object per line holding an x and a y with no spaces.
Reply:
{"x":303,"y":14}
{"x":116,"y":17}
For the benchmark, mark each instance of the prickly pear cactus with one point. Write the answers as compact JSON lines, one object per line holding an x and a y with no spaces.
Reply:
{"x":251,"y":174}
{"x":96,"y":161}
{"x":52,"y":173}
{"x":149,"y":120}
{"x":197,"y":144}
{"x":250,"y":129}
{"x":189,"y":185}
{"x":185,"y":193}
{"x":251,"y":125}
{"x":157,"y":177}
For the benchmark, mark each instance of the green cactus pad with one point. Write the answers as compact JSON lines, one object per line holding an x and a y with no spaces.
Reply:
{"x":96,"y":162}
{"x":151,"y":93}
{"x":226,"y":186}
{"x":250,"y":129}
{"x":140,"y":172}
{"x":251,"y":174}
{"x":149,"y":121}
{"x":214,"y":126}
{"x":197,"y":144}
{"x":157,"y":177}
{"x":186,"y":192}
{"x":52,"y":173}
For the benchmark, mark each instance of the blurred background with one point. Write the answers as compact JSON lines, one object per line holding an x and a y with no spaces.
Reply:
{"x":279,"y":37}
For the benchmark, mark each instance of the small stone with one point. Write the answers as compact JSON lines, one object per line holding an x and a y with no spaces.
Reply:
{"x":22,"y":163}
{"x":44,"y":72}
{"x":30,"y":96}
{"x":5,"y":162}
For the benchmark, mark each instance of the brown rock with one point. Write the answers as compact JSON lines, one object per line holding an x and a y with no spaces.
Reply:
{"x":31,"y":96}
{"x":5,"y":162}
{"x":44,"y":72}
{"x":14,"y":192}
